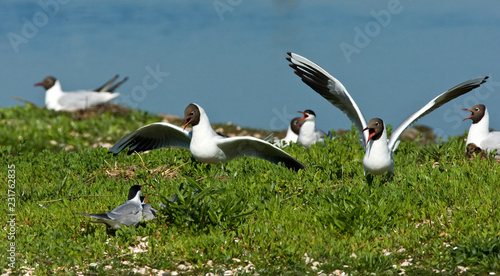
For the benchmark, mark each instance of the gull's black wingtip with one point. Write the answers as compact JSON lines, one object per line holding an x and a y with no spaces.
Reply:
{"x":289,"y":53}
{"x":301,"y":167}
{"x":296,"y":166}
{"x":113,"y":151}
{"x":298,"y":73}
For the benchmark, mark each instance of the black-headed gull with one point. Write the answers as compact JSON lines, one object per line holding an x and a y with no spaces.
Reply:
{"x":129,"y":213}
{"x":479,"y":131}
{"x":378,"y":149}
{"x":292,"y":133}
{"x":58,"y":100}
{"x":308,"y":134}
{"x":205,"y":144}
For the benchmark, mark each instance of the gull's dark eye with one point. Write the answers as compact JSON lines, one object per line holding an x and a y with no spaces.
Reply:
{"x":477,"y":109}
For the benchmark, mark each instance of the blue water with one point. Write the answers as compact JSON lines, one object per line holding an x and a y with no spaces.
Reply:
{"x":229,"y":55}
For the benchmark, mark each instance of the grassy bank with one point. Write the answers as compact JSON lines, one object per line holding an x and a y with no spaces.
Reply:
{"x":438,"y":214}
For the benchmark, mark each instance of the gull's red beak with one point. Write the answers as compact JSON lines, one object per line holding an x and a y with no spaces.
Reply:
{"x":468,"y":117}
{"x":371,"y":132}
{"x":186,"y":122}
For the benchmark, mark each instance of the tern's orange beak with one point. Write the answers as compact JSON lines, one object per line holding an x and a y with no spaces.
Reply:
{"x":305,"y":115}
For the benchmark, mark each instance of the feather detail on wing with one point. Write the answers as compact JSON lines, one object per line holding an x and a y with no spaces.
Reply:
{"x":234,"y":147}
{"x":329,"y":88}
{"x":153,"y":136}
{"x":438,"y":101}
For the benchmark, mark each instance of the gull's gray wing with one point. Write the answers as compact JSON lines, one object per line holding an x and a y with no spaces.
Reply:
{"x":113,"y":88}
{"x":107,"y":87}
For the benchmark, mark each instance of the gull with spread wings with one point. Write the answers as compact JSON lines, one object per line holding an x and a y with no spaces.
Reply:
{"x":378,"y":149}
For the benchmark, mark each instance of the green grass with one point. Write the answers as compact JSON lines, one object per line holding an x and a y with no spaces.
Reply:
{"x":439,"y":213}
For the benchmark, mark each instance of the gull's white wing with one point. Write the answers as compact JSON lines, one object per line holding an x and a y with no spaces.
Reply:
{"x":329,"y":88}
{"x":153,"y":136}
{"x":234,"y":147}
{"x":84,"y":99}
{"x":438,"y":101}
{"x":492,"y":142}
